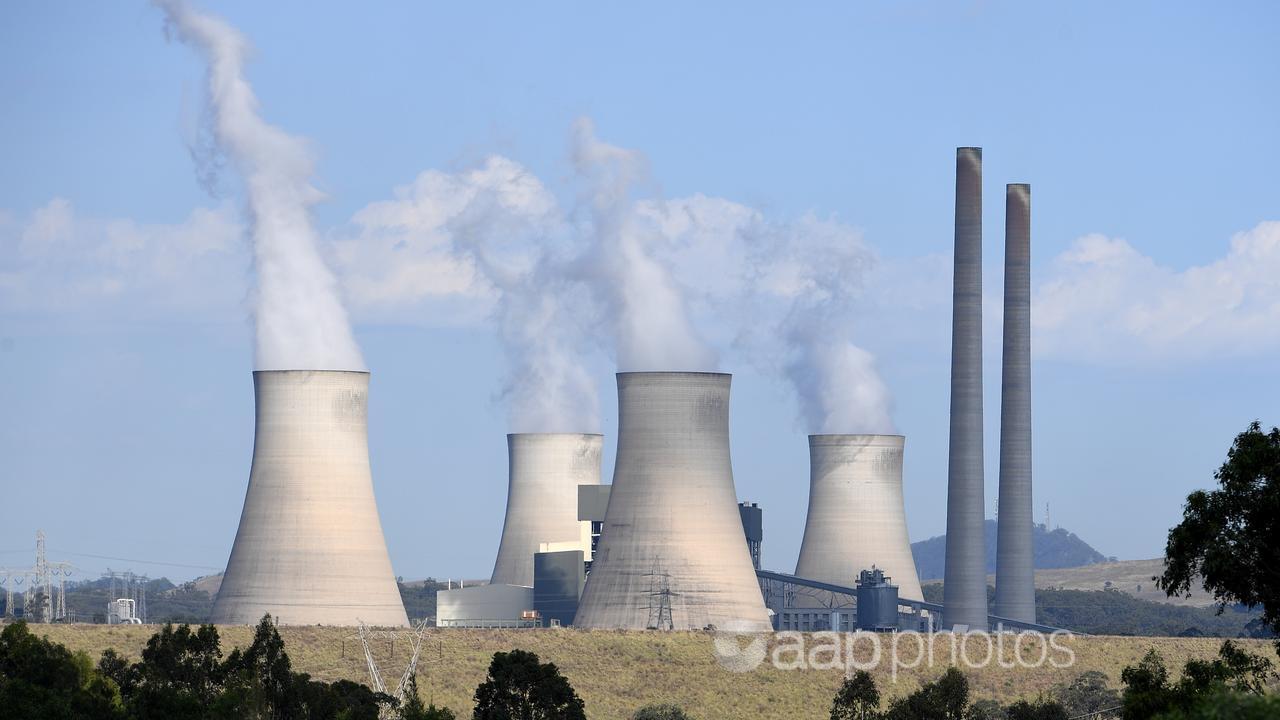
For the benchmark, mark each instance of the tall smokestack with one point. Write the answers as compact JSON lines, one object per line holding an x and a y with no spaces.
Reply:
{"x":672,"y":554}
{"x":1015,"y":571}
{"x":857,"y":517}
{"x":965,"y":578}
{"x":545,"y":470}
{"x":310,"y":549}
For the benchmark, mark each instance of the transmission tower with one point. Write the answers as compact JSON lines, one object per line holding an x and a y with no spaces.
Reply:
{"x":660,"y":598}
{"x":42,"y":602}
{"x":388,"y":712}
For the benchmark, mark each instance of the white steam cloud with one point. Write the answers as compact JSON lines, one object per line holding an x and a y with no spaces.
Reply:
{"x":641,"y":303}
{"x":301,"y":323}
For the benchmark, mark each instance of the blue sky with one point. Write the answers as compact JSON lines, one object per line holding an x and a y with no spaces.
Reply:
{"x":1148,"y":133}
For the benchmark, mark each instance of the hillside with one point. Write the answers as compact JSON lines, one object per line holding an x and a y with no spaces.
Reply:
{"x":617,"y":672}
{"x":1112,"y":612}
{"x":1053,"y":549}
{"x":1128,"y":576}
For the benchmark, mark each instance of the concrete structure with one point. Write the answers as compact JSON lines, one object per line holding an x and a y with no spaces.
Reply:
{"x":1015,"y":573}
{"x":857,"y":518}
{"x":965,"y":583}
{"x":310,"y":549}
{"x":593,"y":502}
{"x":557,"y":585}
{"x":672,"y":554}
{"x":486,"y":606}
{"x":544,"y":472}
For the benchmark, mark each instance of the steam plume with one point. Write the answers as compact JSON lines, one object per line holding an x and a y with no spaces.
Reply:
{"x":301,"y":323}
{"x":642,"y":305}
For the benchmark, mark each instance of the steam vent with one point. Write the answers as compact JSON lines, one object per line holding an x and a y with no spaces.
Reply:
{"x":545,"y":470}
{"x":672,"y":554}
{"x":310,"y":549}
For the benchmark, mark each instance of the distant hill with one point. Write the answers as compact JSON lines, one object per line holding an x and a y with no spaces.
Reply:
{"x":1053,"y":549}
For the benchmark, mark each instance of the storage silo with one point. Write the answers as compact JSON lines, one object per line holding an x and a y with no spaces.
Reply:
{"x":857,"y":517}
{"x":672,"y":553}
{"x":544,"y":472}
{"x":310,"y":548}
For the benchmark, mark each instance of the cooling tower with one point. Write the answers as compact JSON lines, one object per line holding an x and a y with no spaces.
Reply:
{"x":1015,"y":572}
{"x":545,"y":470}
{"x":857,"y":518}
{"x":965,"y":578}
{"x":310,"y":549}
{"x":672,"y":552}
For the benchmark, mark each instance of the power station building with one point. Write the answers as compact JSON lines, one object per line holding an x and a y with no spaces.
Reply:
{"x":310,"y":549}
{"x":672,"y":551}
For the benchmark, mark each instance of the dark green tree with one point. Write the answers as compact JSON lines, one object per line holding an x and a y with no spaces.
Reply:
{"x":179,"y":676}
{"x":946,"y":698}
{"x":43,"y":679}
{"x":1040,"y":709}
{"x":1088,"y":693}
{"x":519,"y":687}
{"x":857,"y":699}
{"x":1150,"y":693}
{"x":1228,"y":536}
{"x":1146,"y":688}
{"x":664,"y":711}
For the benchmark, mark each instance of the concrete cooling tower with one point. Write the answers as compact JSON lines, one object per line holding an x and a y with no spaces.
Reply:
{"x":310,"y":549}
{"x":545,"y":470}
{"x":857,"y":517}
{"x":1015,"y":574}
{"x":964,"y":586}
{"x":672,"y":553}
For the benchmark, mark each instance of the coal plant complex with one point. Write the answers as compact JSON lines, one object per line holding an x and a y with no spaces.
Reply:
{"x":667,"y":545}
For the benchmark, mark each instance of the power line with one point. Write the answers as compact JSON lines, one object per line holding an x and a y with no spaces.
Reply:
{"x":136,"y":560}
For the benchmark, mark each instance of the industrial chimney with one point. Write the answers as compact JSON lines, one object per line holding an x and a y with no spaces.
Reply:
{"x":1015,"y":571}
{"x":672,"y":553}
{"x":964,"y":587}
{"x":544,"y":472}
{"x":857,"y":517}
{"x":310,"y":549}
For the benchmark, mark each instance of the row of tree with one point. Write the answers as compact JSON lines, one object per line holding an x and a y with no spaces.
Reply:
{"x":1236,"y":679}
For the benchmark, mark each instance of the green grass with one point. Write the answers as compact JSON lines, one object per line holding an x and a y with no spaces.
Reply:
{"x":617,"y":672}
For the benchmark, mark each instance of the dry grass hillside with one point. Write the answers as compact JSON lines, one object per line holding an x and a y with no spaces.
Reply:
{"x":618,"y":672}
{"x":1127,"y":576}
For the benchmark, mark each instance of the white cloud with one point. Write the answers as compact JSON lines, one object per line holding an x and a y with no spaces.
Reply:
{"x":58,"y":264}
{"x":1104,"y":301}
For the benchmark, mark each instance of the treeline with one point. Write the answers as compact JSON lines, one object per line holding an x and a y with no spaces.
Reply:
{"x":1233,"y":685}
{"x":1112,"y":612}
{"x":182,"y":675}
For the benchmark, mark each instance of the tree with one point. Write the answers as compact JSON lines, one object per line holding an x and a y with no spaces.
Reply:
{"x":1228,"y":535}
{"x":857,"y":699}
{"x":519,"y":687}
{"x":1041,"y":709}
{"x":946,"y":698}
{"x":664,"y":711}
{"x":1149,"y":692}
{"x":43,"y":679}
{"x":1088,"y":693}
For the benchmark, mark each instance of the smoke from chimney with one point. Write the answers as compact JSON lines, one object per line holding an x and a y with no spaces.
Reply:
{"x":301,"y":323}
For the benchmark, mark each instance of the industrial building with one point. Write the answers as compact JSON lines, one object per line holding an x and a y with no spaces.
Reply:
{"x":672,"y":552}
{"x":310,"y":548}
{"x":857,"y":518}
{"x":545,"y":471}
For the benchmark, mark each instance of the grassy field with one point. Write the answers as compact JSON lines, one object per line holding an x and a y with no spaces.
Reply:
{"x":1127,"y":576}
{"x":618,"y":672}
